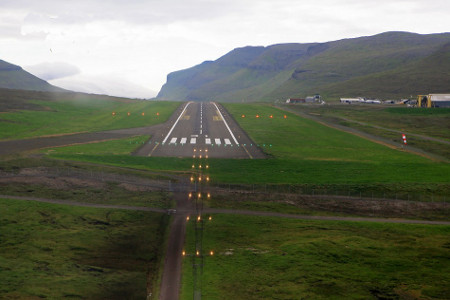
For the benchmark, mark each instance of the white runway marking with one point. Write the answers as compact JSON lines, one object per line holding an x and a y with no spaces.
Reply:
{"x":193,"y":140}
{"x":208,"y":141}
{"x":183,"y":141}
{"x":228,"y":127}
{"x":227,"y":142}
{"x":173,"y":140}
{"x":179,"y":117}
{"x":217,"y":141}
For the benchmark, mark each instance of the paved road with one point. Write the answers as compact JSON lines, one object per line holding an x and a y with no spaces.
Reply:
{"x":205,"y":126}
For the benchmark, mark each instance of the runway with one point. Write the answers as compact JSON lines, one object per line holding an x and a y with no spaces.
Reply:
{"x":204,"y":126}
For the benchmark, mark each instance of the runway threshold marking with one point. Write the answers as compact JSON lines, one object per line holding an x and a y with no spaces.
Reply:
{"x":208,"y":141}
{"x":183,"y":140}
{"x":217,"y":141}
{"x":193,"y":140}
{"x":173,"y":140}
{"x":226,"y":124}
{"x":176,"y":122}
{"x":227,"y":142}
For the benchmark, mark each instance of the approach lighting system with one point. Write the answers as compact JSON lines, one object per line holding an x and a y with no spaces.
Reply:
{"x":143,"y":114}
{"x":243,"y":116}
{"x":157,"y":113}
{"x":128,"y":113}
{"x":211,"y":253}
{"x":271,"y":116}
{"x":257,"y":116}
{"x":285,"y":116}
{"x":113,"y":113}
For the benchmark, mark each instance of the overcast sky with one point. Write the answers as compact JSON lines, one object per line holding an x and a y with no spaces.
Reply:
{"x":127,"y":47}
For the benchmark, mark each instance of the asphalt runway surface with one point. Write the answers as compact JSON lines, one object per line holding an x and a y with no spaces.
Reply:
{"x":204,"y":126}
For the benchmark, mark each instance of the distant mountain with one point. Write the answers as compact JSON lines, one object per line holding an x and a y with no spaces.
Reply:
{"x":14,"y":77}
{"x":391,"y":64}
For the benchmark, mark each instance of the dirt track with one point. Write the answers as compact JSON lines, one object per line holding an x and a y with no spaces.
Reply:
{"x":186,"y":211}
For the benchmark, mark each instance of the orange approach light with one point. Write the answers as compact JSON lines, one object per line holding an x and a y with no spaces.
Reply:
{"x":113,"y":113}
{"x":143,"y":114}
{"x":128,"y":113}
{"x":257,"y":116}
{"x":157,"y":113}
{"x":271,"y":116}
{"x":243,"y":116}
{"x":285,"y":116}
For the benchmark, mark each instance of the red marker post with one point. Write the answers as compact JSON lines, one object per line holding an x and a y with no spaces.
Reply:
{"x":404,"y":139}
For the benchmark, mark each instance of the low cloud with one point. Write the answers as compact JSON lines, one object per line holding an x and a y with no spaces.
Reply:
{"x":53,"y":70}
{"x":105,"y":85}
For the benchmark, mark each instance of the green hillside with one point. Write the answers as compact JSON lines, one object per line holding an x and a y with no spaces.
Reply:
{"x":392,"y":64}
{"x":14,"y":77}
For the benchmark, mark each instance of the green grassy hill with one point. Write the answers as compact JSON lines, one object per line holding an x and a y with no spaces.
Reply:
{"x":392,"y":64}
{"x":14,"y":77}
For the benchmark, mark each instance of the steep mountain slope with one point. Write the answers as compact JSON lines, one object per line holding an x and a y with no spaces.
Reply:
{"x":347,"y":67}
{"x":14,"y":77}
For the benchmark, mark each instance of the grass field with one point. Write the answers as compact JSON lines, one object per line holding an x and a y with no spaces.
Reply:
{"x":274,"y":258}
{"x":55,"y":252}
{"x":303,"y":153}
{"x":82,"y":115}
{"x":114,"y":147}
{"x":390,"y":122}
